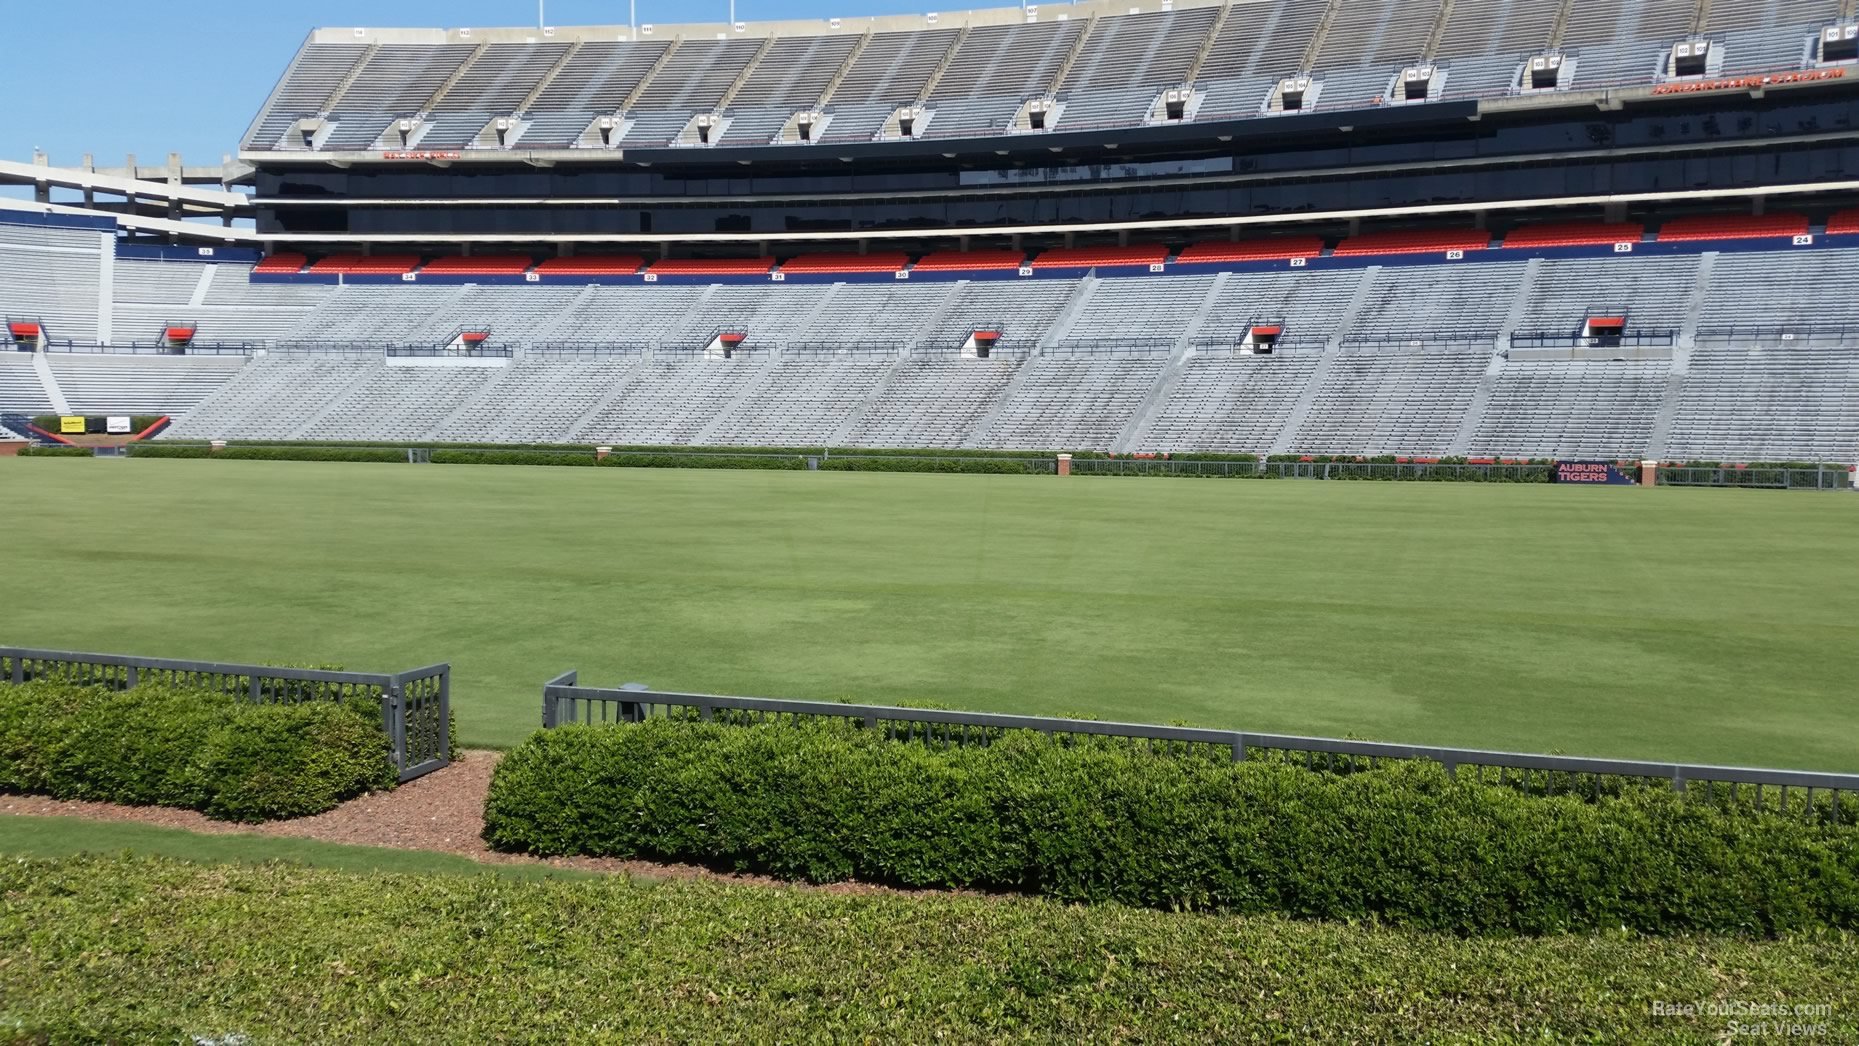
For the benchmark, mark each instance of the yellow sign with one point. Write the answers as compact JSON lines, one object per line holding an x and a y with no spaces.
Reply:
{"x":71,"y":425}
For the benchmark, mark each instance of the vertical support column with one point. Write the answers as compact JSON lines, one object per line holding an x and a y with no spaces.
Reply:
{"x":1649,"y":473}
{"x":1065,"y":464}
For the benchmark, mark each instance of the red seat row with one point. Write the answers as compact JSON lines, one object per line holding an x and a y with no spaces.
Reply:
{"x":592,"y":265}
{"x":1574,"y":234}
{"x":1092,"y":257}
{"x":1733,"y":227}
{"x":480,"y":265}
{"x":366,"y":264}
{"x":976,"y":261}
{"x":1272,"y":249}
{"x":281,"y":263}
{"x":1414,"y":241}
{"x":711,"y":266}
{"x":1843,"y":223}
{"x":881,"y":261}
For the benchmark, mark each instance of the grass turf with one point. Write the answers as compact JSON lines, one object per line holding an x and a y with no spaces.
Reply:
{"x":135,"y":950}
{"x":1699,"y":625}
{"x":57,"y":837}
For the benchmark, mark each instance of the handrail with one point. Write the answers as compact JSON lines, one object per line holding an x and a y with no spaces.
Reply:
{"x":565,"y":703}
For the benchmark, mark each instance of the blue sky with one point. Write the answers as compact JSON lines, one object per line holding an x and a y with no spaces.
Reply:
{"x":150,"y":77}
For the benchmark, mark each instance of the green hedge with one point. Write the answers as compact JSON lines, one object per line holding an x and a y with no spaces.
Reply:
{"x":162,"y":746}
{"x":1004,"y":466}
{"x":704,"y":461}
{"x":55,"y":452}
{"x":1105,"y":822}
{"x":123,"y":949}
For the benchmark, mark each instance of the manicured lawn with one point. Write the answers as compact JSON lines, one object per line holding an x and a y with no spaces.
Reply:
{"x":22,"y":836}
{"x":1718,"y":626}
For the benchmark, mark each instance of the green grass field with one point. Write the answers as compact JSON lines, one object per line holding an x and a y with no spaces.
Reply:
{"x":1702,"y":625}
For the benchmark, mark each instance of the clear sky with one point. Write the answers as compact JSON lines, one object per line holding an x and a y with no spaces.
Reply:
{"x":150,"y":77}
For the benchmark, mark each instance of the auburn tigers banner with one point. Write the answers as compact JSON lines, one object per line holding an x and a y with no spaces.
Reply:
{"x":1594,"y":472}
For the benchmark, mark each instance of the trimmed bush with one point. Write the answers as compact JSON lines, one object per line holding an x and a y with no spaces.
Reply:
{"x":125,"y":949}
{"x":1102,"y":821}
{"x":55,"y":452}
{"x":161,"y":746}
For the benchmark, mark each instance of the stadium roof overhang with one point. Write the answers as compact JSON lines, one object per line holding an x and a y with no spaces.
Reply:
{"x":1087,"y":145}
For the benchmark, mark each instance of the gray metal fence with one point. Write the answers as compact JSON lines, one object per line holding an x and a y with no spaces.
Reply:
{"x":416,"y":706}
{"x":1830,"y":796}
{"x":1825,"y":477}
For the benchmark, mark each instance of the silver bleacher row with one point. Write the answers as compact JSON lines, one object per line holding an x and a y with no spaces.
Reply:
{"x":1383,"y":359}
{"x":1105,"y":69}
{"x":1793,"y":403}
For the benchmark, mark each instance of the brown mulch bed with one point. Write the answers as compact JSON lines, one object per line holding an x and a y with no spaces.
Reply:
{"x":442,"y":812}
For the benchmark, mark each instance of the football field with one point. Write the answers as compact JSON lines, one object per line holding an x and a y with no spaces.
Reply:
{"x":1698,"y":625}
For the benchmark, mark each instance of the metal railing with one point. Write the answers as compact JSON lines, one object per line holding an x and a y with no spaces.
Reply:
{"x":415,"y":705}
{"x":589,"y":350}
{"x":137,"y":348}
{"x":484,"y":351}
{"x":1425,"y":340}
{"x":1578,"y":340}
{"x":1163,"y":467}
{"x":1826,"y":477}
{"x":1816,"y":334}
{"x":1828,"y":795}
{"x":1410,"y":471}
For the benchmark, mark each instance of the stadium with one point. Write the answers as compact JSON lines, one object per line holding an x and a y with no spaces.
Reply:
{"x":834,"y":388}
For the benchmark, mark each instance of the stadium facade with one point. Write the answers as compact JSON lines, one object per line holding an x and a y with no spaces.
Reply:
{"x":1471,"y":227}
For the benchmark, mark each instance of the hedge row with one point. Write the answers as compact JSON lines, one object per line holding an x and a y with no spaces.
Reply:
{"x":55,"y":452}
{"x":124,"y":949}
{"x":161,"y":746}
{"x":1105,"y":822}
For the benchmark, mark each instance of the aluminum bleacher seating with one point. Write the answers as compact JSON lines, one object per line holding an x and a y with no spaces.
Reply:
{"x":1391,"y":403}
{"x":534,"y":400}
{"x":670,"y":402}
{"x":1572,"y":409}
{"x":1072,"y":402}
{"x":313,"y":76}
{"x":801,"y":402}
{"x":1230,"y":402}
{"x":106,"y":384}
{"x":20,"y":388}
{"x":1787,"y":403}
{"x":698,"y":73}
{"x":1138,"y":313}
{"x":1471,"y":305}
{"x":1655,"y":292}
{"x":932,"y":401}
{"x":1762,"y":292}
{"x":497,"y":81}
